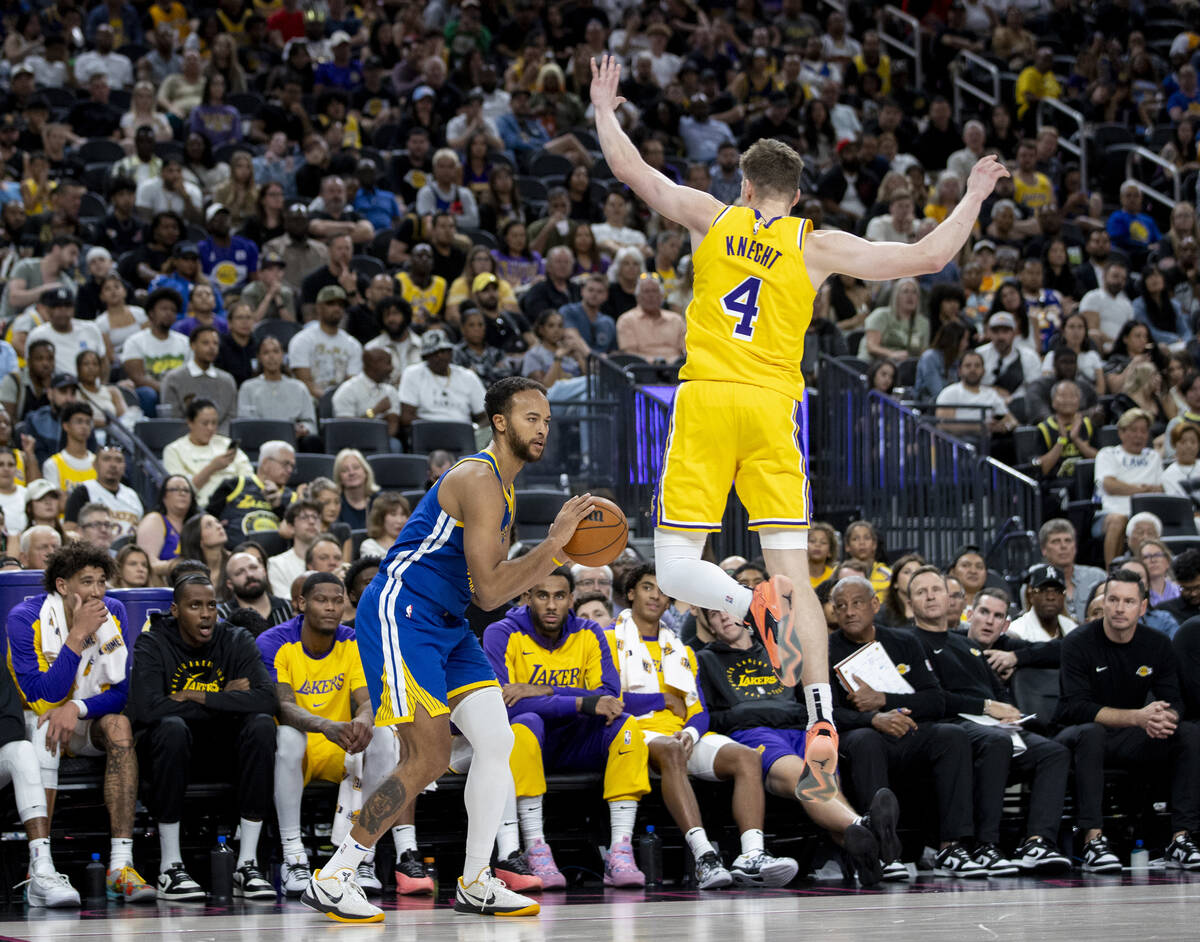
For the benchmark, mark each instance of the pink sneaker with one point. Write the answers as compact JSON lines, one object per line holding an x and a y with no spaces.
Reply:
{"x":541,"y":862}
{"x":620,"y":868}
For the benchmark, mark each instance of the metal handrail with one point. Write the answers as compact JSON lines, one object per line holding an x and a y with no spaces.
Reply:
{"x":961,"y":85}
{"x":1172,"y":171}
{"x":143,"y":469}
{"x":1079,"y":149}
{"x":912,"y":51}
{"x":839,"y":5}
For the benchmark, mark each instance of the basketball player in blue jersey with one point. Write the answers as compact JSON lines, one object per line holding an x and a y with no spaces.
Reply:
{"x":736,"y":415}
{"x":423,"y":665}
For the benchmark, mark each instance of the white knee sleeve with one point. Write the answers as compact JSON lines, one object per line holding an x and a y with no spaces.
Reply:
{"x":47,"y":763}
{"x":783,"y":539}
{"x":290,"y":746}
{"x":484,"y":721}
{"x":482,"y":718}
{"x":380,"y":758}
{"x":19,"y":764}
{"x":683,"y":575}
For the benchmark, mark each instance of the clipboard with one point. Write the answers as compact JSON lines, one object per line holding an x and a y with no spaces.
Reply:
{"x":872,"y":664}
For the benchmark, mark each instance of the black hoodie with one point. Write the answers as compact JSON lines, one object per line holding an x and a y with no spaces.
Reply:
{"x":164,"y":664}
{"x":742,"y":690}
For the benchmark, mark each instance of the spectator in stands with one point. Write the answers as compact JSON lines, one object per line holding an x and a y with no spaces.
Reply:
{"x":12,"y":494}
{"x":614,"y":233}
{"x":183,"y":274}
{"x":1121,"y":696}
{"x":254,"y":503}
{"x":80,"y":702}
{"x":31,"y":278}
{"x":437,"y":389}
{"x":272,"y":395}
{"x":204,"y":456}
{"x":649,"y":330}
{"x":223,"y":704}
{"x":1046,"y":618}
{"x":370,"y":394}
{"x":69,"y":335}
{"x":199,"y":378}
{"x":475,"y":353}
{"x":356,"y":482}
{"x":847,"y":190}
{"x":1181,"y":477}
{"x":143,"y":164}
{"x":75,"y":463}
{"x":896,"y":611}
{"x":106,"y":489}
{"x":25,"y":390}
{"x":1188,"y":412}
{"x":156,"y":349}
{"x":96,"y":527}
{"x":246,"y":586}
{"x":230,"y":261}
{"x":973,"y":689}
{"x":1156,"y":309}
{"x":1131,"y":230}
{"x":861,"y":544}
{"x":146,"y":260}
{"x":304,"y":517}
{"x":334,"y":218}
{"x":133,"y":568}
{"x":43,"y":504}
{"x":44,"y":425}
{"x":898,"y":224}
{"x":378,"y":207}
{"x":386,"y":518}
{"x":158,"y":532}
{"x":506,"y":329}
{"x":1008,"y":366}
{"x":238,"y":349}
{"x":444,"y":194}
{"x":1039,"y":393}
{"x":170,"y":192}
{"x":556,"y":356}
{"x":38,"y":542}
{"x":422,"y":289}
{"x":301,"y":254}
{"x":269,"y":296}
{"x":557,"y":289}
{"x":750,"y":574}
{"x":958,"y":404}
{"x":1121,"y":471}
{"x":585,"y":319}
{"x":1067,"y":435}
{"x":899,"y":330}
{"x":592,"y":580}
{"x":885,"y":734}
{"x":822,"y":552}
{"x":1132,"y":348}
{"x":324,"y":356}
{"x":203,"y":539}
{"x":1156,"y":558}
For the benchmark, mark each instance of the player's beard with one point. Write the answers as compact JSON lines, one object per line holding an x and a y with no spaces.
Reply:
{"x":522,"y":450}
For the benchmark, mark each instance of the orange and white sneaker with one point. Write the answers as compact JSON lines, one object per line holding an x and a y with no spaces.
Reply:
{"x":819,"y":779}
{"x":127,"y":884}
{"x":770,"y":616}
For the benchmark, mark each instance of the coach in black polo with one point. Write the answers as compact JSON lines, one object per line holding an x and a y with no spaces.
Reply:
{"x":1122,"y":705}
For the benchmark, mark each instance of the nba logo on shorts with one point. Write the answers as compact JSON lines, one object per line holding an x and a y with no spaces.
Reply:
{"x":408,"y":612}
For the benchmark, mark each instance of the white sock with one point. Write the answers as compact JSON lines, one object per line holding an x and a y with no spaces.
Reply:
{"x":621,"y":815}
{"x":683,"y":575}
{"x":752,"y":841}
{"x":508,"y":838}
{"x":349,"y":854}
{"x":818,"y":699}
{"x":168,"y":845}
{"x":248,"y":844}
{"x":290,"y":746}
{"x":293,"y":846}
{"x":483,"y":719}
{"x":120,"y":853}
{"x":405,"y":837}
{"x":40,"y":860}
{"x":529,"y":813}
{"x":697,"y":842}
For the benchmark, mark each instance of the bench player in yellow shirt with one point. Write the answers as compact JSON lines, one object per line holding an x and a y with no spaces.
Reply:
{"x":736,"y":415}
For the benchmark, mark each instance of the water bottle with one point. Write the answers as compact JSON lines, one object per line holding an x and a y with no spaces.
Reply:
{"x":221,"y":861}
{"x":430,"y":867}
{"x":650,"y":856}
{"x":564,"y":483}
{"x":1140,"y":858}
{"x":94,"y":882}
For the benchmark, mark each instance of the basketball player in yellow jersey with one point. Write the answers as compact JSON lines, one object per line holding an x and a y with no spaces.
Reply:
{"x":757,"y":271}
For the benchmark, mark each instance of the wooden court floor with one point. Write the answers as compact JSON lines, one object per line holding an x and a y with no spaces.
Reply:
{"x":927,"y":910}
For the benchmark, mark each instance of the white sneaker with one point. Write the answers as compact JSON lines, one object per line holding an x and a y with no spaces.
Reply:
{"x":487,"y":895}
{"x":761,"y":869}
{"x":175,"y":885}
{"x":894,"y":871}
{"x":368,"y":879}
{"x":339,"y":897}
{"x":52,"y":890}
{"x":294,"y":876}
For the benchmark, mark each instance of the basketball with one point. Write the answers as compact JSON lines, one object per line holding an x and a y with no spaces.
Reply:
{"x":600,"y":537}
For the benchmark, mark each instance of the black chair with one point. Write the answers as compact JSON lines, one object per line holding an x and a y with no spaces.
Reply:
{"x":1174,"y":512}
{"x":458,"y":438}
{"x":1107,"y":435}
{"x":481,"y":237}
{"x":1177,"y":544}
{"x":367,"y":266}
{"x":281,"y":330}
{"x":157,"y":434}
{"x":100,"y":150}
{"x":414,"y":497}
{"x":270,"y":540}
{"x":92,"y":205}
{"x":325,"y":405}
{"x":310,"y":466}
{"x":1027,"y":441}
{"x":61,"y":98}
{"x":248,"y":103}
{"x":370,"y":436}
{"x":252,"y":433}
{"x":546,"y":165}
{"x":536,"y":510}
{"x":165,"y":149}
{"x":1035,"y":690}
{"x":906,"y":372}
{"x":399,"y":472}
{"x":357,"y":537}
{"x":532,"y":189}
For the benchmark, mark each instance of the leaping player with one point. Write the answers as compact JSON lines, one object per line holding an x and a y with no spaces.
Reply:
{"x":424,"y":666}
{"x":736,"y":415}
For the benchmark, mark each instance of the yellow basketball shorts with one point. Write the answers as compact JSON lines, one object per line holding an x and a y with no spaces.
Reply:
{"x":733,"y":433}
{"x":323,"y":761}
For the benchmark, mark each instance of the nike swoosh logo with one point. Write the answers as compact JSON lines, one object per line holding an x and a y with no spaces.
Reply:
{"x":1099,"y":669}
{"x":334,"y":899}
{"x":937,"y":650}
{"x":623,"y":752}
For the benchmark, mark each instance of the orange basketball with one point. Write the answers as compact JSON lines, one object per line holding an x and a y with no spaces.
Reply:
{"x":600,"y":537}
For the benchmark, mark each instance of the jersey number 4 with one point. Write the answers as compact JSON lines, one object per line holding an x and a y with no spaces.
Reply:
{"x":742,"y":303}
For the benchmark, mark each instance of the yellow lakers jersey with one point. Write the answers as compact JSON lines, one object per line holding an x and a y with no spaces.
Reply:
{"x":322,"y":684}
{"x":752,"y":302}
{"x":70,"y":477}
{"x":431,"y":299}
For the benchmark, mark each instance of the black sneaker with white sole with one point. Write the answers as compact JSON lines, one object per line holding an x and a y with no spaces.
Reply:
{"x":175,"y":886}
{"x":1040,"y":856}
{"x":1099,"y":858}
{"x":988,"y":856}
{"x":1182,"y":854}
{"x":250,"y":883}
{"x":954,"y":861}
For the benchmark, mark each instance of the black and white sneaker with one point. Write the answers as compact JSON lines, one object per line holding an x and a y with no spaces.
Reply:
{"x":175,"y":886}
{"x":861,"y":847}
{"x":954,"y":861}
{"x":761,"y":869}
{"x":294,"y":876}
{"x":711,"y":873}
{"x":895,"y":871}
{"x":1037,"y":855}
{"x":1099,"y":858}
{"x":250,"y":883}
{"x":1182,"y":854}
{"x":988,"y":856}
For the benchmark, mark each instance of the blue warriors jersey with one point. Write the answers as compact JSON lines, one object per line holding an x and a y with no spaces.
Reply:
{"x":428,"y":559}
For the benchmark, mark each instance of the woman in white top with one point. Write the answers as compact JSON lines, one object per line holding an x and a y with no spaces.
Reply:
{"x":103,"y":399}
{"x":386,"y":518}
{"x":142,"y":111}
{"x":1182,"y":477}
{"x":203,"y":456}
{"x":120,"y":320}
{"x":1074,"y":334}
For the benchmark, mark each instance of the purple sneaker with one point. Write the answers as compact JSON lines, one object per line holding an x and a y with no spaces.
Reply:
{"x":619,"y":866}
{"x":541,"y":862}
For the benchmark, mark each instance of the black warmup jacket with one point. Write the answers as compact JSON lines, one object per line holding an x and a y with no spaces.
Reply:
{"x":927,"y":702}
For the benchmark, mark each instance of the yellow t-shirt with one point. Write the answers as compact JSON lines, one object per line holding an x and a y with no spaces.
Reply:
{"x":1033,"y":195}
{"x":432,"y":298}
{"x":817,"y":580}
{"x":322,"y":684}
{"x":880,"y":578}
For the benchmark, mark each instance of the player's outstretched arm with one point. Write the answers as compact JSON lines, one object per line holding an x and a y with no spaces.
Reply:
{"x":830,"y":251}
{"x":681,"y":204}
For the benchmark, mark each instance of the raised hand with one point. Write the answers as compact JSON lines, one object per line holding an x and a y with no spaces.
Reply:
{"x":606,"y":76}
{"x":984,"y":174}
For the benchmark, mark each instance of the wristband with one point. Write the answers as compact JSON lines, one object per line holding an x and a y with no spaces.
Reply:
{"x":82,"y":707}
{"x":588,"y":705}
{"x":557,"y":561}
{"x":692,"y":732}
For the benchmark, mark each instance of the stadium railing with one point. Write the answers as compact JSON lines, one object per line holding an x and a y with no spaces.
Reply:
{"x":1135,"y":157}
{"x":968,"y":63}
{"x":144,"y":472}
{"x":909,"y":44}
{"x":1076,"y":141}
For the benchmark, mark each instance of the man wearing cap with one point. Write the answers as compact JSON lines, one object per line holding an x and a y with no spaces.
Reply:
{"x":69,"y":335}
{"x":437,"y":389}
{"x":342,"y":71}
{"x":155,"y":349}
{"x":198,"y":378}
{"x":75,"y":463}
{"x":170,"y":191}
{"x":369,"y":394}
{"x":1007,"y":366}
{"x":183,"y":274}
{"x":116,"y":67}
{"x":106,"y":489}
{"x":378,"y":207}
{"x":269,"y":296}
{"x":505,"y":330}
{"x":1046,"y":617}
{"x":229,"y":260}
{"x":30,"y":278}
{"x":323,"y":356}
{"x":301,"y":255}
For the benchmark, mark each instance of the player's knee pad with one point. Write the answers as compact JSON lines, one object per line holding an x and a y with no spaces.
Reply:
{"x":670,"y":548}
{"x":47,"y":761}
{"x":290,"y":746}
{"x":783,"y":539}
{"x":19,"y":764}
{"x":482,"y":718}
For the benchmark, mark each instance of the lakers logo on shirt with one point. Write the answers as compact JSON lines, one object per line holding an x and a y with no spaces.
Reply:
{"x":1144,"y":671}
